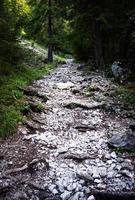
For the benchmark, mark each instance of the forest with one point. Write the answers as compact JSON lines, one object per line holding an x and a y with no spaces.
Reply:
{"x":67,"y":68}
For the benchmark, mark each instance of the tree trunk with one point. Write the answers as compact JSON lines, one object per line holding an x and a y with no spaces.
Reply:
{"x":98,"y":48}
{"x":50,"y":47}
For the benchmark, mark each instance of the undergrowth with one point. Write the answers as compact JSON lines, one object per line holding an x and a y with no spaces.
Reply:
{"x":126,"y":94}
{"x":11,"y":98}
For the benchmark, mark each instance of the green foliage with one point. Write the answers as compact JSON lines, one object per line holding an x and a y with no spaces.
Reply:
{"x":11,"y":98}
{"x":13,"y":15}
{"x":122,"y":150}
{"x":60,"y":57}
{"x":9,"y":117}
{"x":39,"y":107}
{"x":126,"y":94}
{"x":92,"y":88}
{"x":17,"y":11}
{"x":104,"y":32}
{"x":37,"y":27}
{"x":26,"y":107}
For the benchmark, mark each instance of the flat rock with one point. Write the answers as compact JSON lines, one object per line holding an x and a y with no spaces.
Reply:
{"x":102,"y":171}
{"x":126,"y":173}
{"x":85,"y":176}
{"x":66,"y":195}
{"x":83,"y":104}
{"x":77,"y":156}
{"x":75,"y":196}
{"x":71,"y":187}
{"x":31,"y":91}
{"x":20,"y":195}
{"x":113,"y":155}
{"x":64,"y":86}
{"x":125,"y":141}
{"x":32,"y":126}
{"x":84,"y":128}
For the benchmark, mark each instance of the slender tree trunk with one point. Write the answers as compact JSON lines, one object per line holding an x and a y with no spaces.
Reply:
{"x":1,"y":8}
{"x":50,"y":47}
{"x":126,"y":43}
{"x":98,"y":48}
{"x":98,"y":51}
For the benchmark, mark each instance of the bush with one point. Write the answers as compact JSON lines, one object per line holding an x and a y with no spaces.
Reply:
{"x":9,"y":117}
{"x":11,"y":98}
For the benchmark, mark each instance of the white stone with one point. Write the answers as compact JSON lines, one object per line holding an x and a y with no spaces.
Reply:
{"x":71,"y":187}
{"x":55,"y":192}
{"x":97,"y":181}
{"x":61,"y":188}
{"x":101,"y":186}
{"x":82,"y":198}
{"x":10,"y":162}
{"x":79,"y":187}
{"x":65,"y":182}
{"x":64,"y":86}
{"x":118,"y":175}
{"x":75,"y":196}
{"x":66,"y":195}
{"x":81,"y":194}
{"x":109,"y":162}
{"x":95,"y":175}
{"x":102,"y":172}
{"x":97,"y":160}
{"x":127,"y":166}
{"x":51,"y":187}
{"x":108,"y":156}
{"x":111,"y":175}
{"x":87,"y":190}
{"x":71,"y":165}
{"x":91,"y":198}
{"x":113,"y":155}
{"x":127,"y":173}
{"x":113,"y":165}
{"x":82,"y":182}
{"x":51,"y":173}
{"x":63,"y":150}
{"x":63,"y":165}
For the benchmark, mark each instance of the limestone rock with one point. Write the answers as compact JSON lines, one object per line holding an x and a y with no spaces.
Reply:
{"x":64,"y":86}
{"x":125,"y":141}
{"x":91,"y":198}
{"x":83,"y":105}
{"x":66,"y":195}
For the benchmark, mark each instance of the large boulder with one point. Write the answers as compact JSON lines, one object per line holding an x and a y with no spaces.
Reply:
{"x":119,"y":71}
{"x":124,"y":141}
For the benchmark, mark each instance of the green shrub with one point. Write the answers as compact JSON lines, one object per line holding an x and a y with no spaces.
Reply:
{"x":9,"y":117}
{"x":126,"y":94}
{"x":11,"y":98}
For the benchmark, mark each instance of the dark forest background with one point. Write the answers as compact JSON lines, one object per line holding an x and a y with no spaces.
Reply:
{"x":96,"y":31}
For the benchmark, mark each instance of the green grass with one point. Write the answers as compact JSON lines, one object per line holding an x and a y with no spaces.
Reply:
{"x":11,"y":98}
{"x":59,"y":58}
{"x":122,"y":150}
{"x":36,"y":107}
{"x":126,"y":94}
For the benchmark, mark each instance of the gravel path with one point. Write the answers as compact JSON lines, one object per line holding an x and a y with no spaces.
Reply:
{"x":68,"y":142}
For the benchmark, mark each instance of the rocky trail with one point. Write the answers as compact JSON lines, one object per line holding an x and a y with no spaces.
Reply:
{"x":62,"y":149}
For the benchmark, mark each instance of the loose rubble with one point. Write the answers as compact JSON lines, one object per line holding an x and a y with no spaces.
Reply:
{"x":69,"y":142}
